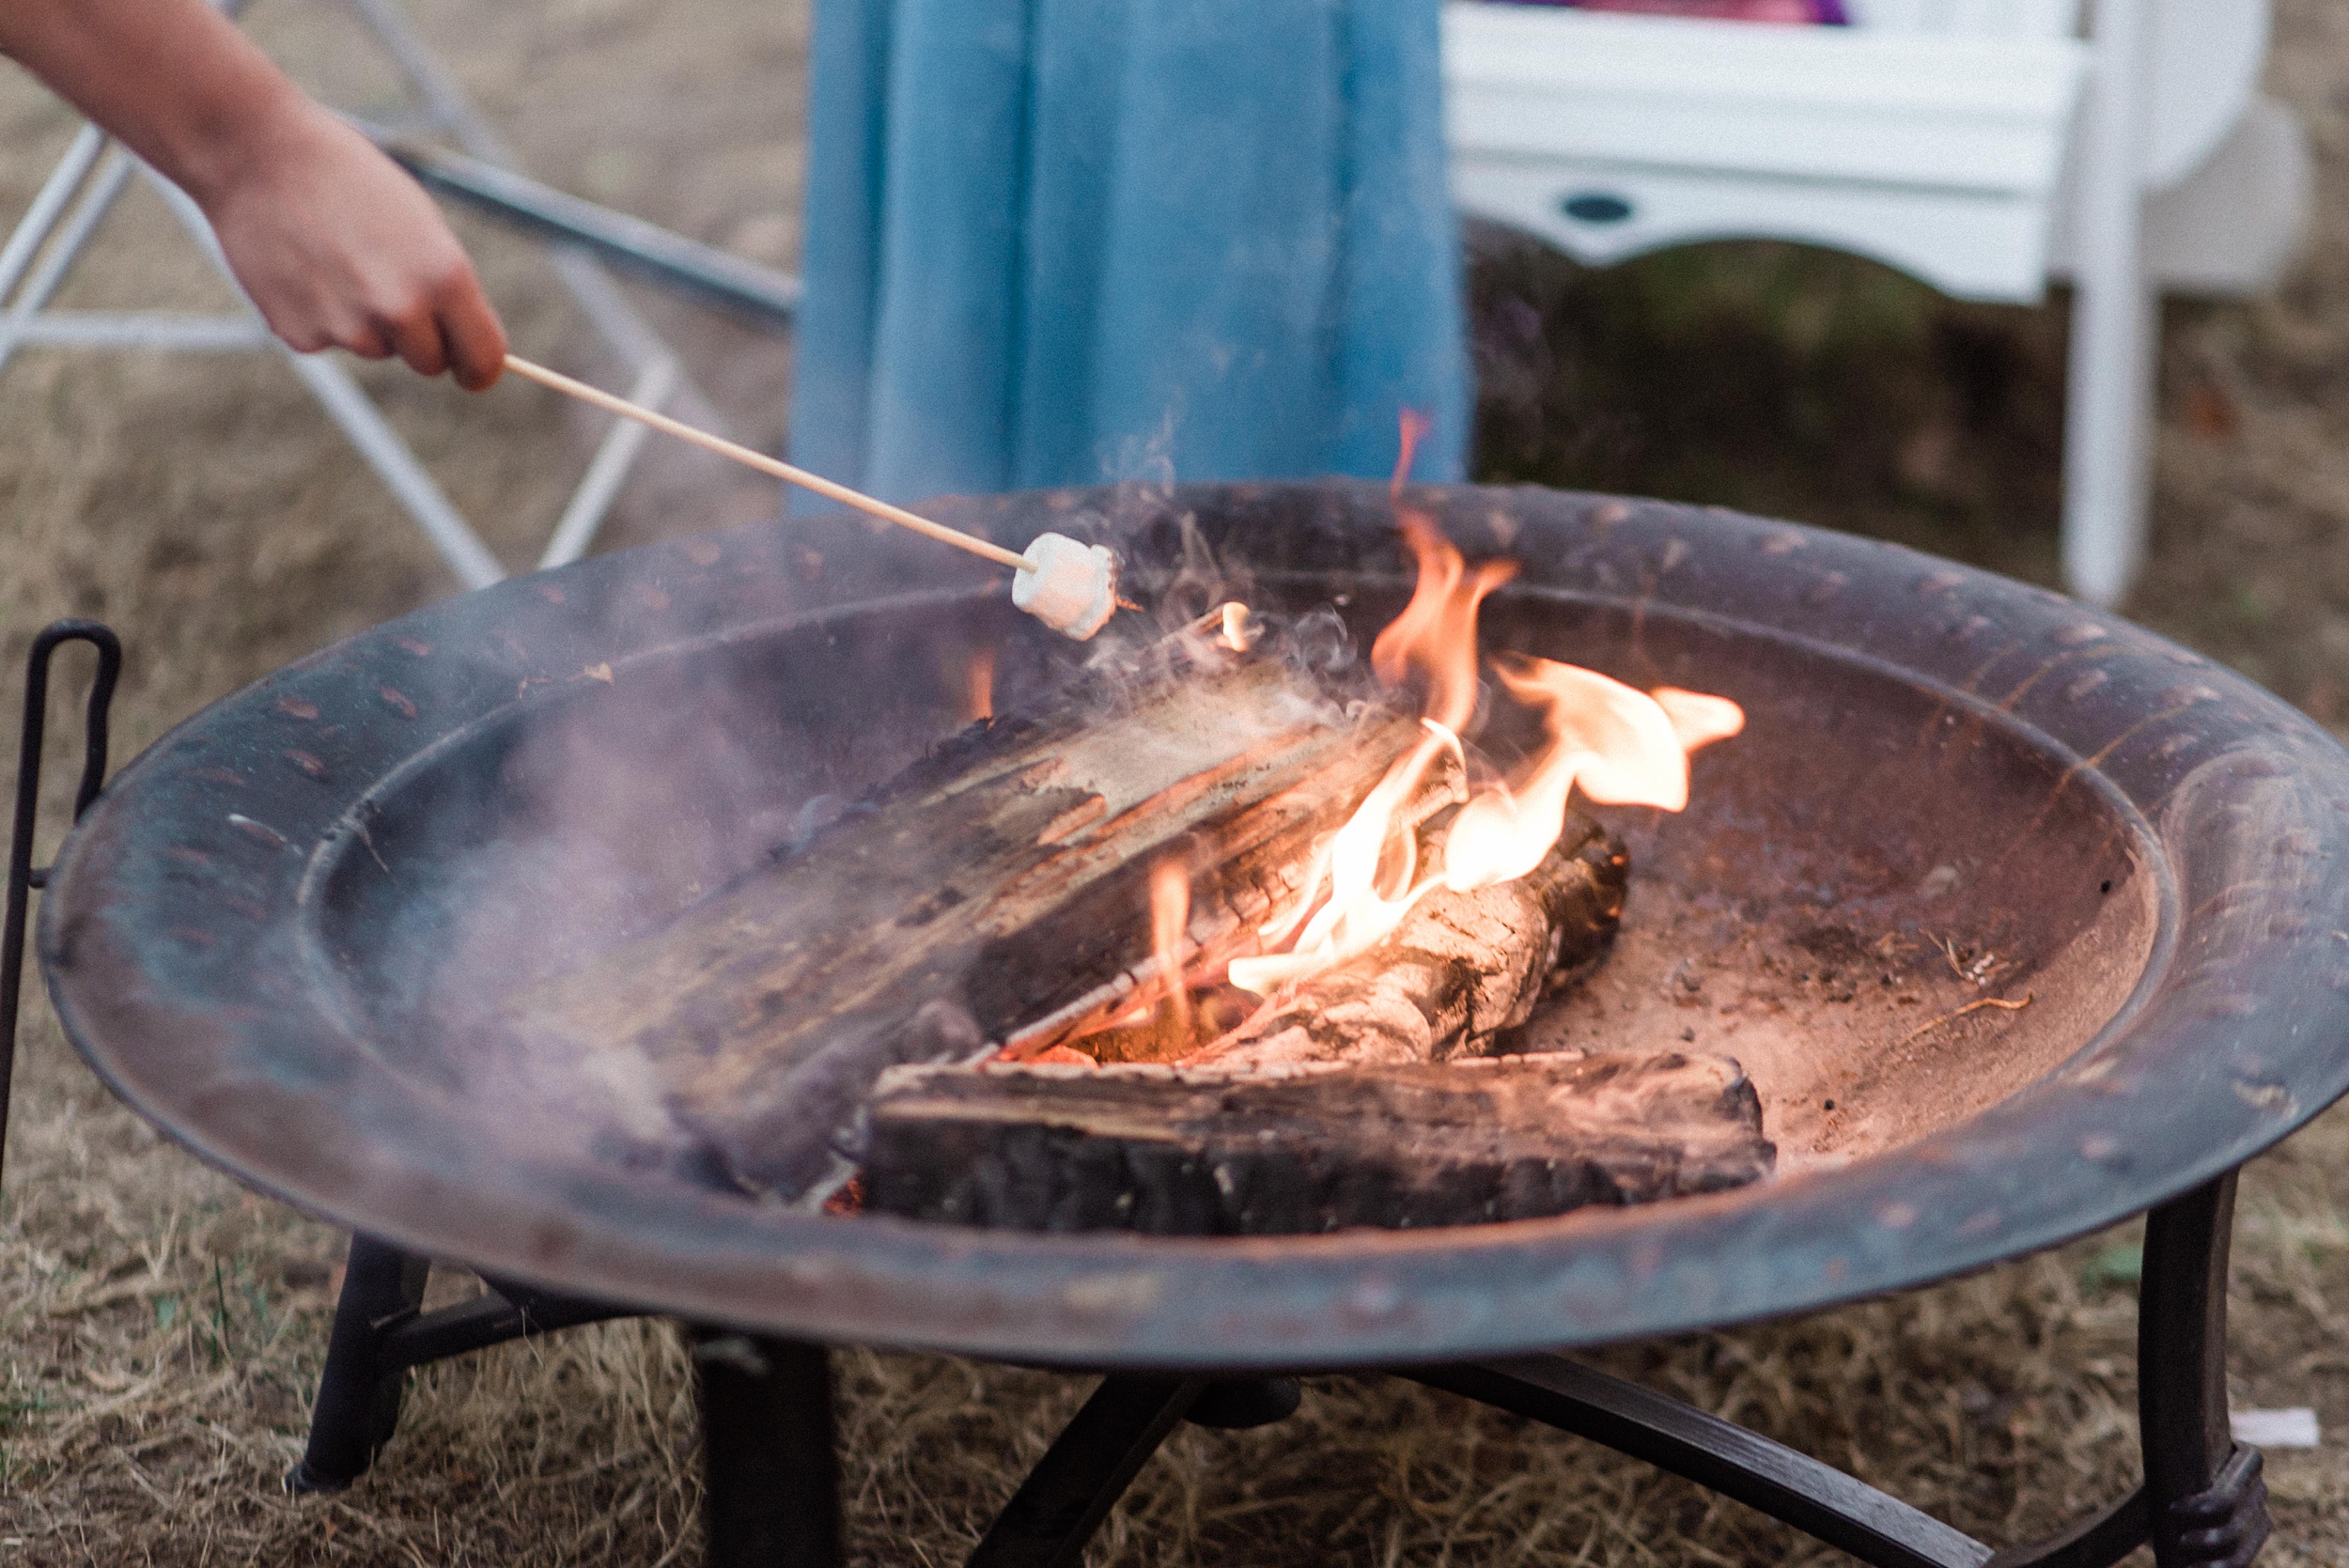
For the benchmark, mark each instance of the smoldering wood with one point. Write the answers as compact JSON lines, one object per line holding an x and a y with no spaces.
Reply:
{"x":1460,"y":971}
{"x":1170,"y":1151}
{"x":1000,"y":879}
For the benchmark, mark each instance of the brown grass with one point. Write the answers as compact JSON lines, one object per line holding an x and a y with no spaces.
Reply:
{"x":160,"y":1331}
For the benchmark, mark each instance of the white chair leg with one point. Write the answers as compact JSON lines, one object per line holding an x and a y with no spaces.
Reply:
{"x":2115,"y":322}
{"x":72,"y":232}
{"x":2107,"y":436}
{"x":49,"y":204}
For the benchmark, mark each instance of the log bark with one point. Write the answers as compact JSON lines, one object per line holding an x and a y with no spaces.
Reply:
{"x":997,"y":881}
{"x":1461,"y":969}
{"x":1186,"y":1152}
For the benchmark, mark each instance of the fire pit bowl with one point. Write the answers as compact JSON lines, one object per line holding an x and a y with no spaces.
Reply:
{"x":2021,"y":919}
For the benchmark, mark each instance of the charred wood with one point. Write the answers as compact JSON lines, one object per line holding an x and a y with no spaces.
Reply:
{"x":1188,"y":1152}
{"x":995,"y":883}
{"x":1460,"y":969}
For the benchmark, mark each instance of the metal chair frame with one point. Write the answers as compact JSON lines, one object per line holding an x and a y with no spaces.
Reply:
{"x":38,"y":257}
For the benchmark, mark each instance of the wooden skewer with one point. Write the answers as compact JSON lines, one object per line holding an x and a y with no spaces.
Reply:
{"x":765,"y":464}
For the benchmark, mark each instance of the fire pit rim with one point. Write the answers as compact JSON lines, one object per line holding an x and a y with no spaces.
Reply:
{"x":1347,"y":1299}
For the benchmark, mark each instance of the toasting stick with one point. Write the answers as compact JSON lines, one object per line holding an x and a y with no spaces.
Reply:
{"x":1069,"y":587}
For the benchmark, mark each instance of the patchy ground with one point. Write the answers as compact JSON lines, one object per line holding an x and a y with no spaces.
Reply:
{"x":160,"y":1331}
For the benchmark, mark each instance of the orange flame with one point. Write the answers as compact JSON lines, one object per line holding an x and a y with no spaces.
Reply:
{"x":1170,"y":920}
{"x":978,"y":686}
{"x":1620,"y":745}
{"x":1696,"y":719}
{"x":1436,"y":634}
{"x":1362,"y":906}
{"x":1414,"y":426}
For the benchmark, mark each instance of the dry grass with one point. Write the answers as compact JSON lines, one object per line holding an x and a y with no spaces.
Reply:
{"x":160,"y":1331}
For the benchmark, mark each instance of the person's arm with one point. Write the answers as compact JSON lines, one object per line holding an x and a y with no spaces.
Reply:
{"x":333,"y":242}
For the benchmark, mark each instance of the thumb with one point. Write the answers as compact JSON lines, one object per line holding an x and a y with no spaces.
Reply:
{"x":469,"y":328}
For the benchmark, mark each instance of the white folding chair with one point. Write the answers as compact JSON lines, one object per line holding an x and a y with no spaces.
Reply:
{"x":1982,"y":145}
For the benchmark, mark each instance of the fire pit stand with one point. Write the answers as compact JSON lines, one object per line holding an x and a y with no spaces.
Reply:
{"x":772,"y":1475}
{"x":210,"y":924}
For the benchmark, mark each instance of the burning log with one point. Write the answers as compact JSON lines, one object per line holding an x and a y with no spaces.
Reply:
{"x":992,"y":892}
{"x":1460,"y":969}
{"x":1183,"y":1151}
{"x":992,"y":885}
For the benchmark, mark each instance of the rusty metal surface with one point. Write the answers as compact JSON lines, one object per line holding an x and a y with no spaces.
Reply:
{"x":197,"y":942}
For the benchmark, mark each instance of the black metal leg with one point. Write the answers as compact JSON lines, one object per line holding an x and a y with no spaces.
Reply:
{"x":22,"y":877}
{"x":767,"y":1452}
{"x":2208,"y":1504}
{"x":2202,"y":1505}
{"x":2096,"y":1541}
{"x":506,"y":1313}
{"x":1065,"y":1498}
{"x":380,"y":1330}
{"x":1236,"y":1403}
{"x":358,"y":1393}
{"x":1713,"y":1452}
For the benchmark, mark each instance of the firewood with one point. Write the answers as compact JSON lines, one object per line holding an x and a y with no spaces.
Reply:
{"x":1171,"y":1150}
{"x":1460,"y":969}
{"x":996,"y":882}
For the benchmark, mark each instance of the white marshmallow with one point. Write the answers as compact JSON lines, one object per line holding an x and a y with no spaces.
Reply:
{"x":1070,"y":587}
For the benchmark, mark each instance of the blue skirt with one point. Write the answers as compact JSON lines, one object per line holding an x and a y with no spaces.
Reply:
{"x":1068,"y":242}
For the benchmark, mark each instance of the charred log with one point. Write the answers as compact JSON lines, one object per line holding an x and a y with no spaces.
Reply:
{"x":1460,"y":969}
{"x":994,"y":883}
{"x":1183,"y":1151}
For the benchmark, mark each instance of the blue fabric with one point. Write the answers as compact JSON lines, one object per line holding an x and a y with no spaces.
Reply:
{"x":1062,"y":241}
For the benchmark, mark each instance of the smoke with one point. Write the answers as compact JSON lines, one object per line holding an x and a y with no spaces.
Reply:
{"x":655,"y":789}
{"x":611,"y":811}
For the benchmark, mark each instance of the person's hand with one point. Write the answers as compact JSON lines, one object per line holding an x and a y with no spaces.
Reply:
{"x":337,"y":247}
{"x":340,"y":249}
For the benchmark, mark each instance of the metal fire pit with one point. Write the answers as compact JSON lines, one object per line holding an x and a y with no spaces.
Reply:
{"x":256,"y":934}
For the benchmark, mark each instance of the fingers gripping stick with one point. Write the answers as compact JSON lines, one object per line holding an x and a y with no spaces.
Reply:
{"x":1069,"y":587}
